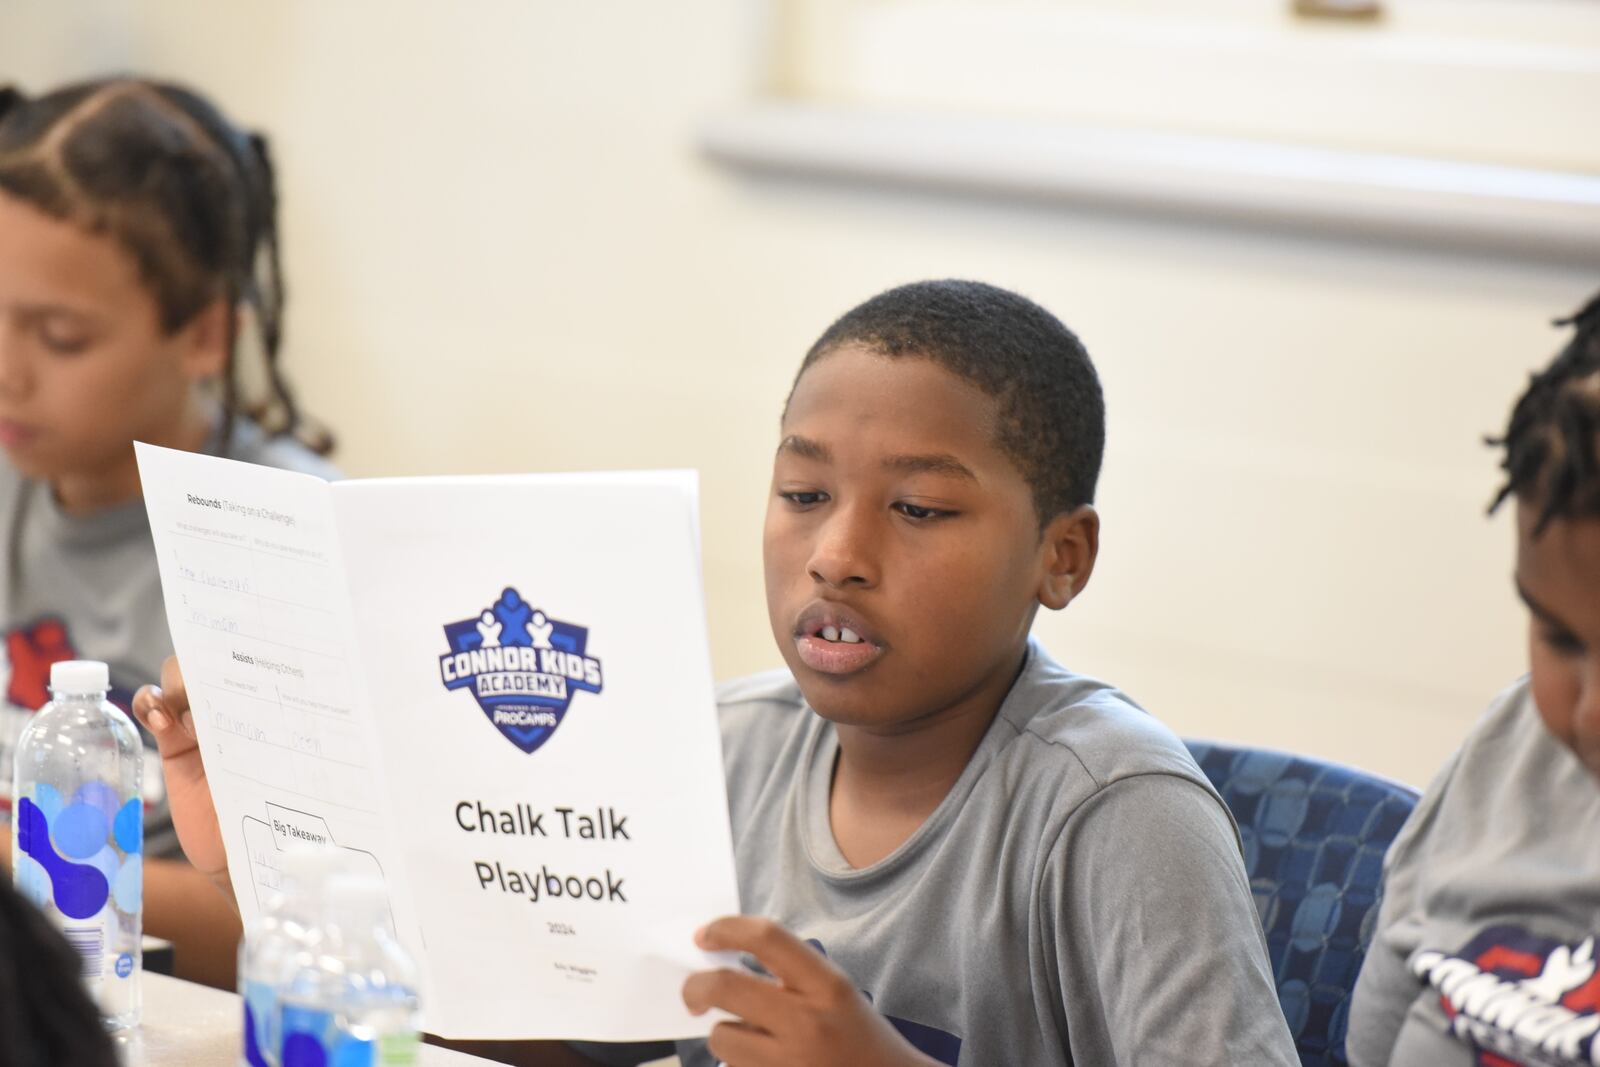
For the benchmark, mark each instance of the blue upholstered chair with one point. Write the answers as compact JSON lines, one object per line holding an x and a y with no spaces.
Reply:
{"x":1314,"y":837}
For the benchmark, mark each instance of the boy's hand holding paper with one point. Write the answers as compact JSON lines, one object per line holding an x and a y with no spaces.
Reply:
{"x":194,"y":815}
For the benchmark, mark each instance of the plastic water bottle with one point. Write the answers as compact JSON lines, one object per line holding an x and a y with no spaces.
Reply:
{"x":352,"y":1001}
{"x":274,"y":944}
{"x":78,"y":830}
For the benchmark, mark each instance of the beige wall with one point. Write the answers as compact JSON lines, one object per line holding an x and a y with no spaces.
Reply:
{"x":505,"y":255}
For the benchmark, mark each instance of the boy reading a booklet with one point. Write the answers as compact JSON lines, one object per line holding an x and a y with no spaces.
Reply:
{"x":949,"y":847}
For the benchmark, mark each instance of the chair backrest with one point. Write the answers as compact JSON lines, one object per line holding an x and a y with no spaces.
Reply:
{"x":1314,"y":837}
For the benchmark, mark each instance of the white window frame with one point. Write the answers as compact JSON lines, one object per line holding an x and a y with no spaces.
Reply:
{"x":1461,"y":121}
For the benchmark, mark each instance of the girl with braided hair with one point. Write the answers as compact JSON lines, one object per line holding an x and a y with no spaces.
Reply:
{"x":139,"y":267}
{"x":1485,"y":947}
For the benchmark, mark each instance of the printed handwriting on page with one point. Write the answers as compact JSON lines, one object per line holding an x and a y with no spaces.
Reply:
{"x":259,"y":614}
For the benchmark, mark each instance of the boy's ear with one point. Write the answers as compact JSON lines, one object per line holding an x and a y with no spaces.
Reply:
{"x":208,"y":341}
{"x":1070,"y":543}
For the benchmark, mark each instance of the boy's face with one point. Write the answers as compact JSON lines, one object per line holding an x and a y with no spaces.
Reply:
{"x":85,"y":367}
{"x":903,"y":555}
{"x":1558,"y":577}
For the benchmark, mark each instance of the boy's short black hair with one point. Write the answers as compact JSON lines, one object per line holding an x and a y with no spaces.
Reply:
{"x":1552,"y":444}
{"x":1052,"y":415}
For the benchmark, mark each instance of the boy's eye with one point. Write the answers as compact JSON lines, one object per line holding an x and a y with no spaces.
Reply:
{"x":919,"y":513}
{"x":1561,"y":642}
{"x":63,"y":338}
{"x":803,"y":498}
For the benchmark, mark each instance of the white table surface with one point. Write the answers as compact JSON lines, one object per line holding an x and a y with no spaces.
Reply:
{"x":188,"y":1025}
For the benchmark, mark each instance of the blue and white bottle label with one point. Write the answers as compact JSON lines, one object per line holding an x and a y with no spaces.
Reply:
{"x":311,"y":1038}
{"x":81,"y":858}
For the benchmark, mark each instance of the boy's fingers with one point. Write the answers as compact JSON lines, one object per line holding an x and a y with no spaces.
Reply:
{"x":150,"y":710}
{"x":174,"y":693}
{"x":756,"y":1000}
{"x":173,"y":736}
{"x":790,"y":960}
{"x":738,"y":1045}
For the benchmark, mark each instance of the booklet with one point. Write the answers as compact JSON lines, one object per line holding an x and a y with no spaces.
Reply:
{"x":494,"y":692}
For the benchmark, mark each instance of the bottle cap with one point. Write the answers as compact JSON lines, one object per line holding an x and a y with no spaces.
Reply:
{"x":79,"y":676}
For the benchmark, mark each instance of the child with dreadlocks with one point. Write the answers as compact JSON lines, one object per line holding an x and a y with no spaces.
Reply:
{"x":1485,"y":947}
{"x":137,"y":234}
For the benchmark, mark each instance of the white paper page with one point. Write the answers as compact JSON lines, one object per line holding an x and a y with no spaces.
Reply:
{"x":259,"y":610}
{"x":605,"y":570}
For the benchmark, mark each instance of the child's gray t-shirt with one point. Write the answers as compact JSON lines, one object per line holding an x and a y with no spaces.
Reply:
{"x":86,"y":587}
{"x":1484,"y":950}
{"x":1079,"y":897}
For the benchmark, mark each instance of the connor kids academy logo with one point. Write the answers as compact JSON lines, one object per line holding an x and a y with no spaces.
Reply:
{"x":1520,"y":999}
{"x":522,"y":666}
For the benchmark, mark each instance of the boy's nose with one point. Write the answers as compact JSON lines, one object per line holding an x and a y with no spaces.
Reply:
{"x":842,"y":555}
{"x":1586,"y":714}
{"x":14,"y":373}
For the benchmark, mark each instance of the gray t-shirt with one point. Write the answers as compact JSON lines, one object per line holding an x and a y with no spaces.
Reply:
{"x":1484,"y":949}
{"x":86,"y":587}
{"x":1079,"y":897}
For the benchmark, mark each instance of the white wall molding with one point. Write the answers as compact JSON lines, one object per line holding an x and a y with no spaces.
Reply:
{"x":1529,"y":213}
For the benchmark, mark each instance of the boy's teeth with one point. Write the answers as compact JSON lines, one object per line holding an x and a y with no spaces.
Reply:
{"x":830,"y":633}
{"x":849,"y":636}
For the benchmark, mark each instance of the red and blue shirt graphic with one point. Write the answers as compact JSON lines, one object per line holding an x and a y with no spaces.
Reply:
{"x":31,"y":649}
{"x":1518,"y":999}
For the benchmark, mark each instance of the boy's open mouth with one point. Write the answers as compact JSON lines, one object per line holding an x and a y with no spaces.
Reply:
{"x":833,"y":641}
{"x":835,"y":633}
